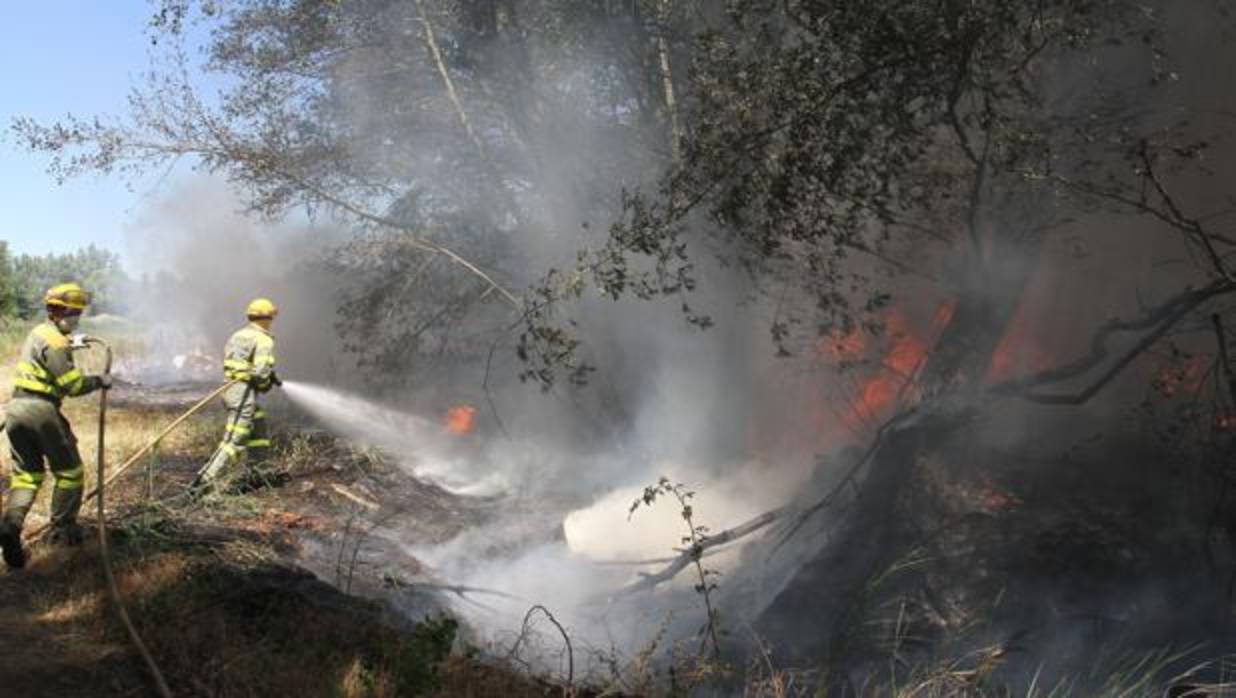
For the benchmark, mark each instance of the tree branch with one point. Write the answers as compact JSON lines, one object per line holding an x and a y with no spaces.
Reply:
{"x":691,"y":554}
{"x":431,"y":42}
{"x":1159,"y":320}
{"x":566,"y":639}
{"x":667,"y":81}
{"x":416,"y":241}
{"x":1189,"y":226}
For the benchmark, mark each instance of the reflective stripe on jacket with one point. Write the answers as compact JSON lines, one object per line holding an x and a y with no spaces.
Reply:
{"x":45,"y":366}
{"x":249,"y":356}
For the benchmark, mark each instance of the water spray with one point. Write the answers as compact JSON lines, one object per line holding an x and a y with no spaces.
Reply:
{"x":425,"y":448}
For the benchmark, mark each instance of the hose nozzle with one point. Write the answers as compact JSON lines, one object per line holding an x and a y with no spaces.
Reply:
{"x":82,"y":341}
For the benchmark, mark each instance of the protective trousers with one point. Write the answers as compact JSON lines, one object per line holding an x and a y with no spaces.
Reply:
{"x":37,"y":433}
{"x":245,"y":433}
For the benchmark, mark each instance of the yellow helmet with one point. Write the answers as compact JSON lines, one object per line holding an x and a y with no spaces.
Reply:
{"x":261,"y":308}
{"x":68,"y":295}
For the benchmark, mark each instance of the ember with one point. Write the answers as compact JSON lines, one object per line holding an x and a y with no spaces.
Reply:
{"x":994,"y":500}
{"x":1183,"y":374}
{"x":1225,"y":420}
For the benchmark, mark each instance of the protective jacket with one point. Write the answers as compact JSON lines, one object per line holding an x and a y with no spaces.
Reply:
{"x":249,"y":356}
{"x":38,"y":433}
{"x":45,"y":367}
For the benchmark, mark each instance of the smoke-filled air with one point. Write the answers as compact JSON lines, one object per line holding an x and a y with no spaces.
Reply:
{"x":669,"y":347}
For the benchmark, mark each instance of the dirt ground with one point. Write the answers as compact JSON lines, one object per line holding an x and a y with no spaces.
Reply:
{"x":238,"y":594}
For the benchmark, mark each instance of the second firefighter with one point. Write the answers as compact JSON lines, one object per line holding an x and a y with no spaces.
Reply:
{"x":249,"y":359}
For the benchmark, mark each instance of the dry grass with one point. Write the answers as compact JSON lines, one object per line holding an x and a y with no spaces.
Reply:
{"x":467,"y":678}
{"x":217,"y":627}
{"x":274,"y":634}
{"x":219,"y":616}
{"x":128,"y":427}
{"x":128,"y":430}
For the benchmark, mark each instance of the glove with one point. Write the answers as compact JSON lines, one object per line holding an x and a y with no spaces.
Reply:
{"x":105,"y":381}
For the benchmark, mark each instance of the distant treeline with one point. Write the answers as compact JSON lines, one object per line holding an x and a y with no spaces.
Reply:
{"x":24,"y":279}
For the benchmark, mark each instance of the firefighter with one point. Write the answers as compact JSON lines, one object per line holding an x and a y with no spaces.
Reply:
{"x":248,"y":357}
{"x":38,"y":433}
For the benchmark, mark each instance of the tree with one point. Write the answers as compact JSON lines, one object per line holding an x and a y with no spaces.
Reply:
{"x":8,"y":283}
{"x":422,"y":122}
{"x":96,"y":269}
{"x":427,"y":120}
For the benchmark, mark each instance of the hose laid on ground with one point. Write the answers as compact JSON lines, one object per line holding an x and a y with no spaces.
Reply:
{"x":104,"y":552}
{"x":133,"y":459}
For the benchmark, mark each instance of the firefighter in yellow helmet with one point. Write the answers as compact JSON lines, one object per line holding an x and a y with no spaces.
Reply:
{"x":38,"y":433}
{"x":248,"y":357}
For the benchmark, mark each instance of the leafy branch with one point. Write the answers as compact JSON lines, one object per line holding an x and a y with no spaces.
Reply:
{"x":695,"y":542}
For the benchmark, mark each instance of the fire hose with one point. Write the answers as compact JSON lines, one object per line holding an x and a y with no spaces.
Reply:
{"x":97,"y":493}
{"x":105,"y":555}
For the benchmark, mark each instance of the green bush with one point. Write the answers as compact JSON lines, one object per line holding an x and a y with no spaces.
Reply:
{"x":419,"y":669}
{"x":8,"y":283}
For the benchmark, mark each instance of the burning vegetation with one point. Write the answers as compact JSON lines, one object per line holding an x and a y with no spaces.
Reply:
{"x":904,"y":324}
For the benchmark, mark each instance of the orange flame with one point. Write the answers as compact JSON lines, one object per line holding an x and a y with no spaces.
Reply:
{"x":900,"y":361}
{"x":459,"y":419}
{"x":905,"y":351}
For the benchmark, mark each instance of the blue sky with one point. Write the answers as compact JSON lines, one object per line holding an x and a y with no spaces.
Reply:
{"x":59,"y":57}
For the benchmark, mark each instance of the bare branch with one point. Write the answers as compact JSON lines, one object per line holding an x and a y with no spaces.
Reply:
{"x":1158,"y":320}
{"x":1169,"y":212}
{"x":565,"y":638}
{"x":1186,"y":224}
{"x":419,"y":242}
{"x":688,"y":556}
{"x":667,"y":81}
{"x":431,"y":42}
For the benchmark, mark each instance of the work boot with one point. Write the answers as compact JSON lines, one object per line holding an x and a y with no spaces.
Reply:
{"x":65,"y":504}
{"x":15,"y":510}
{"x":213,"y":467}
{"x":10,"y":544}
{"x":205,"y":490}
